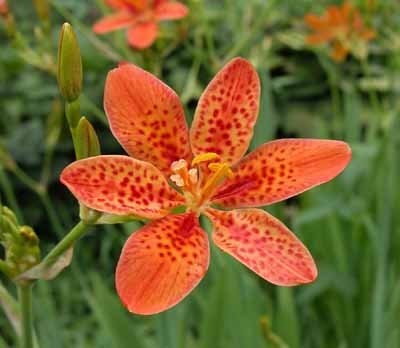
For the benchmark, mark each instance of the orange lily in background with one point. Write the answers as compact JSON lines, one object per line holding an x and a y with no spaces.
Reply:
{"x":3,"y":7}
{"x":202,"y":171}
{"x":141,"y":17}
{"x":342,"y":26}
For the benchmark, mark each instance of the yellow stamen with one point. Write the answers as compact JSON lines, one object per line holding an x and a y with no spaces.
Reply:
{"x":222,"y":170}
{"x":204,"y":157}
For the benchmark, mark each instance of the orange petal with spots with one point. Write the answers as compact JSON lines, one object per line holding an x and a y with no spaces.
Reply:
{"x":281,"y":169}
{"x":146,"y":117}
{"x":227,"y":111}
{"x":162,"y":263}
{"x":121,"y":185}
{"x":264,"y":244}
{"x":115,"y":21}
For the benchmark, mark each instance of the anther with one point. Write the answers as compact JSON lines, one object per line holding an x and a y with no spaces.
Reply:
{"x":178,"y":165}
{"x":193,"y":175}
{"x":204,"y":157}
{"x":177,"y":179}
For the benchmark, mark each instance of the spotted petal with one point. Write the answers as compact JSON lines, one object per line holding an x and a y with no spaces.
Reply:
{"x":161,"y":263}
{"x":170,"y":10}
{"x":146,"y":116}
{"x":281,"y":169}
{"x":115,"y":21}
{"x":227,"y":112}
{"x":121,"y":185}
{"x":263,"y":244}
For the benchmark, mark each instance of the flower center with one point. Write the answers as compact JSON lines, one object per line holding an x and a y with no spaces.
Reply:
{"x":199,"y":181}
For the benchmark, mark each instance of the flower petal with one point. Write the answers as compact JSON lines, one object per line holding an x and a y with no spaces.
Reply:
{"x":146,"y":117}
{"x":170,"y":10}
{"x":161,"y":263}
{"x":131,"y":5}
{"x":227,"y":112}
{"x":115,"y":21}
{"x":121,"y":185}
{"x":281,"y":169}
{"x":263,"y":244}
{"x":142,"y":35}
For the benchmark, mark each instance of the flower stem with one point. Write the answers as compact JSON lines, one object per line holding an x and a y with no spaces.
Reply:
{"x":25,"y":300}
{"x":78,"y":231}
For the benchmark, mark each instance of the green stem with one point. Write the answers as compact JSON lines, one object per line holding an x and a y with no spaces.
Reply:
{"x":78,"y":231}
{"x":9,"y":194}
{"x":25,"y":300}
{"x":54,"y":219}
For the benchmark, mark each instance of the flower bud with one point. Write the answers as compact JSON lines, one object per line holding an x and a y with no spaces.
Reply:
{"x":69,"y":64}
{"x":21,"y":245}
{"x":42,"y":9}
{"x":86,"y":141}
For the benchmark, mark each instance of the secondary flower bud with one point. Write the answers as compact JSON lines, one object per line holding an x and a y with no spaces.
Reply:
{"x":21,"y":245}
{"x":69,"y":64}
{"x":42,"y":9}
{"x":87,"y":142}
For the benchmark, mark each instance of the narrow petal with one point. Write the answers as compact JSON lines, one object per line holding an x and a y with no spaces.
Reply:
{"x":146,"y":117}
{"x":315,"y":22}
{"x":115,"y":21}
{"x":121,"y":185}
{"x":161,"y":263}
{"x":263,"y":244}
{"x":116,"y":4}
{"x":142,"y":35}
{"x":227,"y":112}
{"x":281,"y":169}
{"x":131,"y":5}
{"x":170,"y":10}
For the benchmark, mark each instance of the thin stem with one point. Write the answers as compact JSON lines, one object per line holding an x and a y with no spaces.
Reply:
{"x":54,"y":219}
{"x":25,"y":300}
{"x":9,"y":194}
{"x":78,"y":231}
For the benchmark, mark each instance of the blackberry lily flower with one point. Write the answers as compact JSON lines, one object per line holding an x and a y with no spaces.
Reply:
{"x":203,"y":170}
{"x":141,"y":17}
{"x":342,"y":27}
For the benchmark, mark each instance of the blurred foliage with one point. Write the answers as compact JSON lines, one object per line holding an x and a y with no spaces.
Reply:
{"x":350,"y":225}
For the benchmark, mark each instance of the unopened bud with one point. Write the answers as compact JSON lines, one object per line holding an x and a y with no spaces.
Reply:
{"x":42,"y":9}
{"x":86,"y":141}
{"x":69,"y":64}
{"x":21,"y":245}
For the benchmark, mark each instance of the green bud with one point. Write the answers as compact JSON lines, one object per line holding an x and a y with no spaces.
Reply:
{"x":42,"y":9}
{"x":20,"y":243}
{"x":69,"y":64}
{"x":87,"y":143}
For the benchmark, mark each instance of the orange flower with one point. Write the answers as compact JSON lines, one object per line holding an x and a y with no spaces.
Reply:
{"x":3,"y":8}
{"x":342,"y":26}
{"x":202,"y":171}
{"x":141,"y":17}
